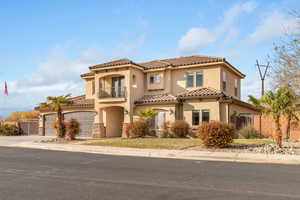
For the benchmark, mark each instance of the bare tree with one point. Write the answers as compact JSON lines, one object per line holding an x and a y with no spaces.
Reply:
{"x":286,"y":60}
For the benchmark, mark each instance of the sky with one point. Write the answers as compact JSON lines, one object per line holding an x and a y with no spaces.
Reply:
{"x":46,"y":45}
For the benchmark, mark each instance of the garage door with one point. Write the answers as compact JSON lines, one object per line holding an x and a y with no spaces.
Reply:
{"x":86,"y":120}
{"x":49,"y":121}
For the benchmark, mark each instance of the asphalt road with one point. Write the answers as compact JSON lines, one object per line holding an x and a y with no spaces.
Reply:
{"x":27,"y":174}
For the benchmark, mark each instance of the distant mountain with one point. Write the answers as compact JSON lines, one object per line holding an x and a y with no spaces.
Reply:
{"x":5,"y":112}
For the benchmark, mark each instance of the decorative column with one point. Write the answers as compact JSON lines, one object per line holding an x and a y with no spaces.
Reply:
{"x":98,"y":126}
{"x":41,"y":130}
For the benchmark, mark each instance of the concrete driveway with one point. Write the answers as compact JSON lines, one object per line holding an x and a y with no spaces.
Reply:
{"x":20,"y":140}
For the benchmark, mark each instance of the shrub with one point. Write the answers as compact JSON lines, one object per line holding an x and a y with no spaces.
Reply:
{"x":139,"y":128}
{"x":249,"y":132}
{"x":164,"y":132}
{"x":216,"y":134}
{"x":9,"y":130}
{"x":180,"y":128}
{"x":72,"y":129}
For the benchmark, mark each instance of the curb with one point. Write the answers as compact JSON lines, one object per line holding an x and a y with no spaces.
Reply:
{"x":171,"y":154}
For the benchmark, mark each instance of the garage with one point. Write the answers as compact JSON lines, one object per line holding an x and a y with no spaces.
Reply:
{"x":49,"y":121}
{"x":85,"y":119}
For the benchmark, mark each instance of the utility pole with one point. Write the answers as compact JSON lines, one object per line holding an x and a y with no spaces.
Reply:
{"x":262,"y":73}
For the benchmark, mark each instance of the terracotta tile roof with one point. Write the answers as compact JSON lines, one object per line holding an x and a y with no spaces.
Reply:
{"x":87,"y":74}
{"x":82,"y":101}
{"x":114,"y":63}
{"x":181,"y":61}
{"x":78,"y":102}
{"x":157,"y":98}
{"x":164,"y":63}
{"x":201,"y":92}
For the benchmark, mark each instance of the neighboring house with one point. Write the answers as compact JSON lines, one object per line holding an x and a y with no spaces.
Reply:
{"x":193,"y":88}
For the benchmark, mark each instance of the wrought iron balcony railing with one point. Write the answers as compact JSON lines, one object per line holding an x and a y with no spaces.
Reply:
{"x":112,"y":92}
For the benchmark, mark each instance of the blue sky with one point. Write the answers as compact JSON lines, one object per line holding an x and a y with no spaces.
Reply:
{"x":46,"y":45}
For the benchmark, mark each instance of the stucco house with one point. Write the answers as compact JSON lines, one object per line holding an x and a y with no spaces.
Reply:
{"x":192,"y":88}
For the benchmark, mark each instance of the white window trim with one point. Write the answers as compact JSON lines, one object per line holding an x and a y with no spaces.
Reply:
{"x":194,"y":79}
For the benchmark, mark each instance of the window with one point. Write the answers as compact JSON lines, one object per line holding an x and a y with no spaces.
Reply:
{"x":155,"y":78}
{"x":195,"y":117}
{"x":190,"y":80}
{"x":158,"y":120}
{"x":199,"y":79}
{"x":205,"y":116}
{"x":235,"y":87}
{"x":224,"y":78}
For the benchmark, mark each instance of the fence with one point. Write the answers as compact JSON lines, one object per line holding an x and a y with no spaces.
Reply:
{"x":26,"y":126}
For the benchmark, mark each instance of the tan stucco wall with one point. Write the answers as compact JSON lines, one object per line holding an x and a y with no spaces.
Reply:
{"x":208,"y":104}
{"x":211,"y":78}
{"x":230,"y":83}
{"x":89,"y":88}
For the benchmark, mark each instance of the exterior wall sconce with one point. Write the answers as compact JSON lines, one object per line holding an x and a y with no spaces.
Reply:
{"x":126,"y":112}
{"x":171,"y":111}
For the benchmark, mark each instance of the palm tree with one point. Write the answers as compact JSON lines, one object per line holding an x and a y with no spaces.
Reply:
{"x":291,"y":111}
{"x":276,"y":104}
{"x":55,"y":104}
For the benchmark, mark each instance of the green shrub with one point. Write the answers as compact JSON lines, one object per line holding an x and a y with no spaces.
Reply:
{"x":180,"y":129}
{"x":216,"y":134}
{"x":72,"y":129}
{"x":139,"y":128}
{"x":9,"y":130}
{"x":249,"y":132}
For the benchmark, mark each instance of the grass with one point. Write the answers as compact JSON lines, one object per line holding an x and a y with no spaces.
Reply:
{"x":161,"y":143}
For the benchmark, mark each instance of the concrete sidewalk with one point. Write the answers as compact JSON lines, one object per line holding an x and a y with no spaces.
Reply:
{"x":175,"y":154}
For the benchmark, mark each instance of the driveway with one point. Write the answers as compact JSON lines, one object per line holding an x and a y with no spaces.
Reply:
{"x":33,"y":174}
{"x":20,"y":140}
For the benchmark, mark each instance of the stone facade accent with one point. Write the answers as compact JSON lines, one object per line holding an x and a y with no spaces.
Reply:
{"x":98,"y":130}
{"x":41,"y":131}
{"x":124,"y":134}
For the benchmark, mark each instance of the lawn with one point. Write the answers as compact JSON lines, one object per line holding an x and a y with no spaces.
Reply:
{"x":161,"y":143}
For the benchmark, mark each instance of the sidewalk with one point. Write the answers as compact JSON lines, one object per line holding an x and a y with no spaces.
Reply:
{"x":174,"y":154}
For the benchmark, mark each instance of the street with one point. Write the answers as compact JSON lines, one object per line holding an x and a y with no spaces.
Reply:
{"x":30,"y":174}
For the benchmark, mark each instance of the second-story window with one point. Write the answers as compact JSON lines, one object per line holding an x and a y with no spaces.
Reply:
{"x":194,"y":79}
{"x":155,"y":78}
{"x":189,"y":79}
{"x":224,"y":80}
{"x":235,"y":87}
{"x":199,"y":79}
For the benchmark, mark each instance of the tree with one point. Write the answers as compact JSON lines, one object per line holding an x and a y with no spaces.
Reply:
{"x":286,"y":60}
{"x":17,"y":116}
{"x":291,"y":111}
{"x":55,"y":104}
{"x":276,"y":104}
{"x":147,"y":113}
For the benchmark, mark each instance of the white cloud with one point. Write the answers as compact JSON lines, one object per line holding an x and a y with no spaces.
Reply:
{"x":273,"y":25}
{"x":194,"y":39}
{"x":252,"y":86}
{"x":58,"y":74}
{"x":198,"y":37}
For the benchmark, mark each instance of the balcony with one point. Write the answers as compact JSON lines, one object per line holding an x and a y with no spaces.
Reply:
{"x":112,"y":92}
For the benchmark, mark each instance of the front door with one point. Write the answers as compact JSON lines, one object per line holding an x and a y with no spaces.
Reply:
{"x":117,"y":87}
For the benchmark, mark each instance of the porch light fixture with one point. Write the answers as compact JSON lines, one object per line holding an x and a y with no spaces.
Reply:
{"x":125,"y":112}
{"x":171,"y":111}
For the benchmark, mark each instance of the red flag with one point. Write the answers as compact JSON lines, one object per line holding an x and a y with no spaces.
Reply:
{"x":6,"y":89}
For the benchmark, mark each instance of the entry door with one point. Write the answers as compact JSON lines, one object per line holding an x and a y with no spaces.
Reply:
{"x":117,"y":86}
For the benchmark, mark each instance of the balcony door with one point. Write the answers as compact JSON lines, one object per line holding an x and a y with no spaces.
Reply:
{"x":117,"y":87}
